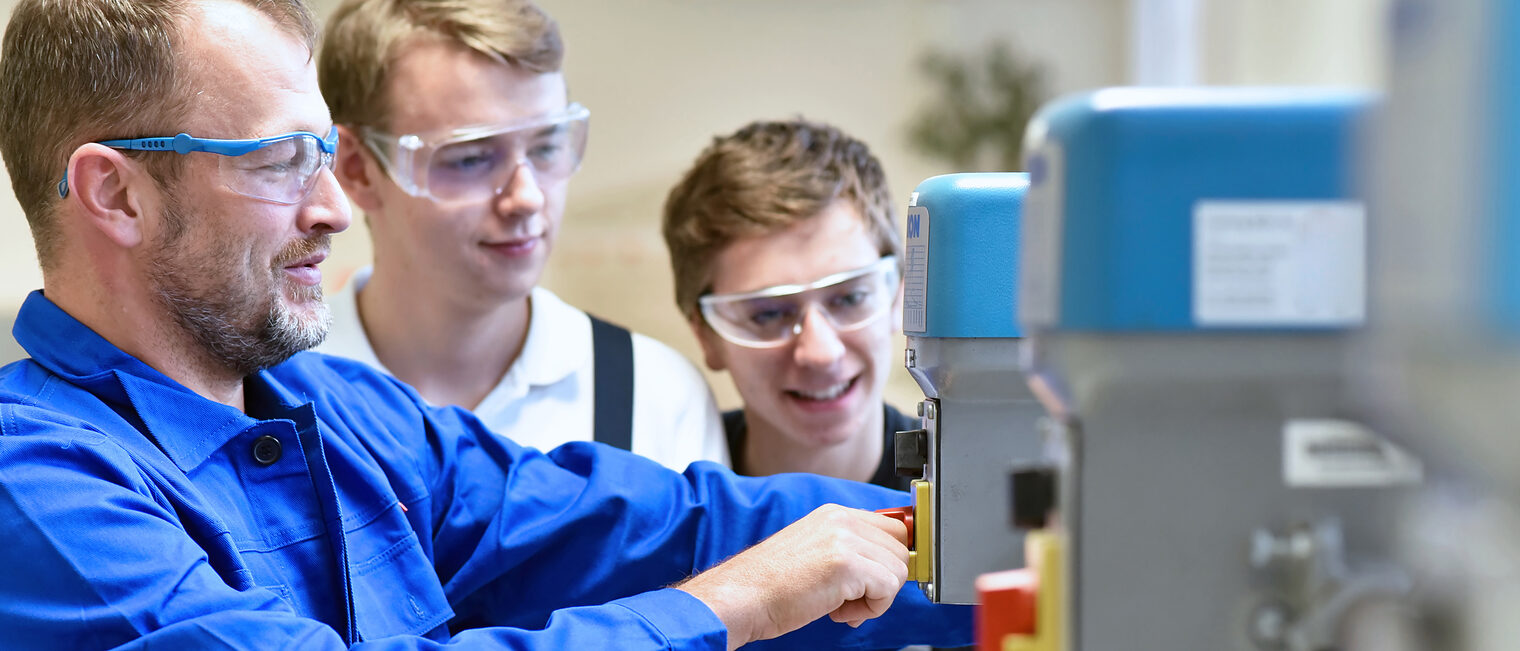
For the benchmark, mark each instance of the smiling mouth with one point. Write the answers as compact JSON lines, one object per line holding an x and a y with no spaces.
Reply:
{"x":515,"y":245}
{"x":825,"y":394}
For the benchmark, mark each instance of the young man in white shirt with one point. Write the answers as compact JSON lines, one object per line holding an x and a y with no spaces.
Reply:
{"x":458,"y":142}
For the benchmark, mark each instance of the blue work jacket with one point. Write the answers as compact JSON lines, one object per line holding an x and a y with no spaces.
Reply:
{"x":341,"y":510}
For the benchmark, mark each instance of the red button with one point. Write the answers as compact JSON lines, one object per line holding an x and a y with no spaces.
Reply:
{"x":903,"y":514}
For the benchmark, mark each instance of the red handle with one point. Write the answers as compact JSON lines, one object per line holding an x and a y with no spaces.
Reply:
{"x":903,"y":514}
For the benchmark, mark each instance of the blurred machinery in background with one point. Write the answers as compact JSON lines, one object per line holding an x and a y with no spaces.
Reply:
{"x":1193,"y":266}
{"x":958,"y":313}
{"x":1280,"y":417}
{"x":1440,"y":366}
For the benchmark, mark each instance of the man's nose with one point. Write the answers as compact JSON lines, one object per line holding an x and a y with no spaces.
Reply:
{"x":817,"y":342}
{"x":326,"y":208}
{"x":521,"y":195}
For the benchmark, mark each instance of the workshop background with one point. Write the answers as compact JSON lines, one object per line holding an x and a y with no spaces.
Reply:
{"x":662,"y":77}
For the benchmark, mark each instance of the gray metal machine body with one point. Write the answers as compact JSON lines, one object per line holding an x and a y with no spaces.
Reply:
{"x":980,"y":420}
{"x":1193,"y":269}
{"x":1184,"y":532}
{"x":963,"y":350}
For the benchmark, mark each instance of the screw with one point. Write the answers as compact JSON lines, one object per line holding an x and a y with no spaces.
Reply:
{"x":1269,"y":625}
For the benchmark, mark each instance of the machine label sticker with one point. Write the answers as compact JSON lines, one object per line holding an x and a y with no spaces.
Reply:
{"x":1041,"y":228}
{"x":1341,"y":454}
{"x":1279,"y":263}
{"x":916,"y":272}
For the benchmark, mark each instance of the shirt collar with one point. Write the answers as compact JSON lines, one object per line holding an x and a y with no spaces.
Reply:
{"x":558,"y":342}
{"x":185,"y":425}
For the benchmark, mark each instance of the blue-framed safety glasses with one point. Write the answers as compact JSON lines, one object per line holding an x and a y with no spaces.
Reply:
{"x":279,"y":169}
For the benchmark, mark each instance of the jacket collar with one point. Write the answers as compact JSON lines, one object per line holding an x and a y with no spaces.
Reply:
{"x":185,"y":425}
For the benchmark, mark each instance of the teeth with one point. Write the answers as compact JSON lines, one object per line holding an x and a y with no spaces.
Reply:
{"x":826,"y":394}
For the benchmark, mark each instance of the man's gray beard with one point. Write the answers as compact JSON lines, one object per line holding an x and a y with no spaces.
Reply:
{"x":244,"y":347}
{"x":240,"y":332}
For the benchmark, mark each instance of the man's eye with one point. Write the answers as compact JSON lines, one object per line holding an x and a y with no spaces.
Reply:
{"x":465,"y":161}
{"x":771,"y":314}
{"x":270,"y":159}
{"x":854,"y":298}
{"x":546,"y":151}
{"x":765,"y":317}
{"x":272,"y":169}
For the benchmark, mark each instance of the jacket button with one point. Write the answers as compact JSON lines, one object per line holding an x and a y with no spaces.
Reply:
{"x":266,"y":450}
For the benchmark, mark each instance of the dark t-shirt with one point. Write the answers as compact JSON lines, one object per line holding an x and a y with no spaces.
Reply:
{"x":737,"y":430}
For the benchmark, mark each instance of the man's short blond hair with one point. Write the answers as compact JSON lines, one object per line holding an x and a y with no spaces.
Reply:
{"x":365,"y":38}
{"x":762,"y":179}
{"x":78,"y":71}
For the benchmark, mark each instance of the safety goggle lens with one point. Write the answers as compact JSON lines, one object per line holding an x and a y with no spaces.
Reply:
{"x":765,"y":318}
{"x":283,"y":171}
{"x":479,"y":167}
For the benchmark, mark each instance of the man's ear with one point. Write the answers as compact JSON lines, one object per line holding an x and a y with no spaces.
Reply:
{"x":113,"y":191}
{"x":357,"y":170}
{"x":712,"y":344}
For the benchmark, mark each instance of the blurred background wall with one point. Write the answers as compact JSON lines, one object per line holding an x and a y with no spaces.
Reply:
{"x":662,"y":77}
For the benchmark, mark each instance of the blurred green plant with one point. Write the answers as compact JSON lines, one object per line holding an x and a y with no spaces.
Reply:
{"x":976,"y":120}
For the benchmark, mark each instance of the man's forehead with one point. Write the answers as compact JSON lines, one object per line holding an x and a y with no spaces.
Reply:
{"x":246,"y":75}
{"x":436,"y":85}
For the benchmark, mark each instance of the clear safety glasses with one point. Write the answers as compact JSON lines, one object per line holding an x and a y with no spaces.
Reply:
{"x":279,"y":169}
{"x":476,"y":163}
{"x":770,"y":317}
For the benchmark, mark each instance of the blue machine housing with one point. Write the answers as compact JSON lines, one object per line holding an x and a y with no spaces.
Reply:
{"x":1116,"y":175}
{"x":1501,"y":160}
{"x":961,"y":256}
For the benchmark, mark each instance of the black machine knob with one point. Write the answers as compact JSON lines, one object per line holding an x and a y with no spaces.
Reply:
{"x":1032,"y":494}
{"x":910,"y":451}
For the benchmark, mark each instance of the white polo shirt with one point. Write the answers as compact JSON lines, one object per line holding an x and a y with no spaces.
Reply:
{"x":546,"y":397}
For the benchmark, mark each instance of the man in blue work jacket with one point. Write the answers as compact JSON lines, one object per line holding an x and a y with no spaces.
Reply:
{"x":174,"y":474}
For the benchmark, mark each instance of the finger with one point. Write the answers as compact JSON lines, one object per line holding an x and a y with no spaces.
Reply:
{"x":852,"y":623}
{"x":889,"y":555}
{"x":853,"y":518}
{"x":891,"y":526}
{"x":857,"y":611}
{"x":877,"y":588}
{"x":877,"y":531}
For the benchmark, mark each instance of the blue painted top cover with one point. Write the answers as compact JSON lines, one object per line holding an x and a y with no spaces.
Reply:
{"x":1116,"y":173}
{"x":964,"y":233}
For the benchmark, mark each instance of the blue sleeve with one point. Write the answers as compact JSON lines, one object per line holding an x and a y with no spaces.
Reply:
{"x":586,"y":524}
{"x":519,"y":534}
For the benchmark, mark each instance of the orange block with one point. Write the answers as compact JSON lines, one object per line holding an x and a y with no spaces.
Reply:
{"x":1007,"y":606}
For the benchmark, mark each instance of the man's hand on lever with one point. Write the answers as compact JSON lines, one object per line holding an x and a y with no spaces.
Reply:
{"x":842,"y":562}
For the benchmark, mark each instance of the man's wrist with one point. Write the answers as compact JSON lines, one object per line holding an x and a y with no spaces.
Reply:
{"x":725,"y":602}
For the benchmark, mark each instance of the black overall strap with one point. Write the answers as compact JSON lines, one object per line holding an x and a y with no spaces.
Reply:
{"x":612,"y":355}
